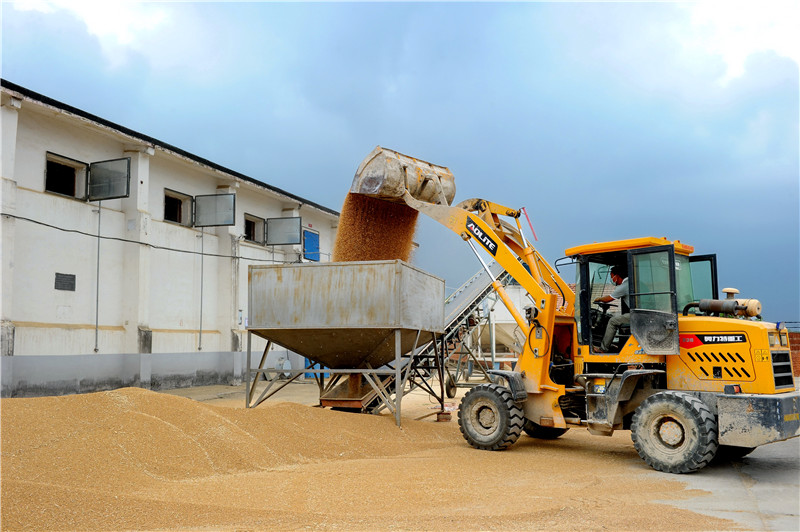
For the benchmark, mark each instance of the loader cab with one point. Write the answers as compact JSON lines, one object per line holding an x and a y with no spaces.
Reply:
{"x":662,"y":280}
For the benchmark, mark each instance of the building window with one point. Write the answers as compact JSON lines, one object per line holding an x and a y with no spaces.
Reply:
{"x":253,"y":228}
{"x":177,"y":207}
{"x":310,"y":245}
{"x":65,"y":176}
{"x":284,"y":231}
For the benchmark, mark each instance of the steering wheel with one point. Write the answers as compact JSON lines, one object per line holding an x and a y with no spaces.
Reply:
{"x":605,"y":306}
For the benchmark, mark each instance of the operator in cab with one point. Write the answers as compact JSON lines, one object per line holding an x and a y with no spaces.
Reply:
{"x":619,"y":276}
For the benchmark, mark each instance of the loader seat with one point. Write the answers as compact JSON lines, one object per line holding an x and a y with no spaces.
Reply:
{"x":624,"y":331}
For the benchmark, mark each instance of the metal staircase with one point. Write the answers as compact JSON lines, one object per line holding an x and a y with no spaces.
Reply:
{"x":459,"y":308}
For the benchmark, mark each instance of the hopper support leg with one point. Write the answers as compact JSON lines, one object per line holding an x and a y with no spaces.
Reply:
{"x":272,"y":376}
{"x":251,"y":387}
{"x":247,"y":370}
{"x":398,"y":378}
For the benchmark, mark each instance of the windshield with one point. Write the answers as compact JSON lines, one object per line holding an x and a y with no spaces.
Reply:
{"x":600,"y":283}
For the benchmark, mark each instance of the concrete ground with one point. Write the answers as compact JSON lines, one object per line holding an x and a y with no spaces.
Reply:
{"x":759,"y":492}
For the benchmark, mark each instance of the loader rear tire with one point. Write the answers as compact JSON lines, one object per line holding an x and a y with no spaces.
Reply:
{"x":534,"y":430}
{"x":674,"y":432}
{"x":489,"y":418}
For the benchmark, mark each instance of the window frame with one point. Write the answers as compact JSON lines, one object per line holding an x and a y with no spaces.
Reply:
{"x":187,"y":210}
{"x":91,"y":183}
{"x":584,"y":284}
{"x":646,"y":322}
{"x":80,"y":188}
{"x":262,"y":233}
{"x":583,"y":307}
{"x":214,"y":222}
{"x":635,"y":297}
{"x":711,"y":259}
{"x":295,"y":220}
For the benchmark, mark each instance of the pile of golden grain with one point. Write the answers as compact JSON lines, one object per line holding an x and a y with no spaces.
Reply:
{"x":133,"y":459}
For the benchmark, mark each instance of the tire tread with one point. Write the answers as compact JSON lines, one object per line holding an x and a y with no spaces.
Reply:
{"x":707,"y":432}
{"x":516,"y":419}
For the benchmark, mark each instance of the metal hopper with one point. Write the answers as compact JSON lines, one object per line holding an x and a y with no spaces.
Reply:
{"x":346,"y":315}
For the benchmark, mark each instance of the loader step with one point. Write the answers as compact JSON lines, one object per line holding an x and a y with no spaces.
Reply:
{"x":596,"y":375}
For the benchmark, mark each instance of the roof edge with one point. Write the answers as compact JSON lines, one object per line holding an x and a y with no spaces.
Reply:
{"x":630,"y":243}
{"x":163,"y":145}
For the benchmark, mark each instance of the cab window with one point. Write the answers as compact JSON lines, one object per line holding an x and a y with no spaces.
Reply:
{"x":704,"y":277}
{"x":652,"y":281}
{"x":684,"y":283}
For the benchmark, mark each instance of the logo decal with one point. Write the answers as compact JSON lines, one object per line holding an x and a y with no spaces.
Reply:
{"x":482,"y":237}
{"x":689,"y":341}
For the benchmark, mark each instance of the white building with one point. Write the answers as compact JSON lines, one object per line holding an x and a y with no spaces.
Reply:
{"x":164,"y":302}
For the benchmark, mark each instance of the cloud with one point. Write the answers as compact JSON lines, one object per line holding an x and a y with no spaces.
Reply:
{"x":692,"y":53}
{"x":120,"y":27}
{"x":735,"y":30}
{"x":180,"y":40}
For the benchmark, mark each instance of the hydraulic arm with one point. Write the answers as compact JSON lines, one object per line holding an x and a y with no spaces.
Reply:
{"x":428,"y":188}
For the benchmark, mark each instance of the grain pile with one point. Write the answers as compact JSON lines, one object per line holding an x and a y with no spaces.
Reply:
{"x":374,"y":229}
{"x":134,"y":459}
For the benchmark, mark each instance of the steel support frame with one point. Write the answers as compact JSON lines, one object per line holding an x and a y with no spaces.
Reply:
{"x":462,"y":374}
{"x":410,"y":368}
{"x":462,"y":371}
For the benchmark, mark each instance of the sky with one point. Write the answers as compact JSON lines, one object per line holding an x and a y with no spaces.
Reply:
{"x":605,"y":120}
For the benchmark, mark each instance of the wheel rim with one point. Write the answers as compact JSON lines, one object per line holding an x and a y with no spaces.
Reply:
{"x":484,"y":416}
{"x":487,"y":418}
{"x":670,"y":432}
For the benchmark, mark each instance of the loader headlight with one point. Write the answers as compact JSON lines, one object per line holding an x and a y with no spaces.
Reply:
{"x":774,"y":339}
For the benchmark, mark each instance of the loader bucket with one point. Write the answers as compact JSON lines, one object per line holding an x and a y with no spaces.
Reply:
{"x":387,"y":174}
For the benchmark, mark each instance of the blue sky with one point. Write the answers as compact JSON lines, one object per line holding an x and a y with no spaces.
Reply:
{"x":605,"y":120}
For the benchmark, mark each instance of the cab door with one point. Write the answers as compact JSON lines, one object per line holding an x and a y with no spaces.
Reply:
{"x":653,"y":299}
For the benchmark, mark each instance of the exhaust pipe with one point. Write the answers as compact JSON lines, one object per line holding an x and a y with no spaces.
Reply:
{"x":736,"y":307}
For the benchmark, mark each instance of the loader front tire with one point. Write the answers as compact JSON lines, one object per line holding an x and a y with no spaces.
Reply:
{"x":534,"y":430}
{"x":489,"y":418}
{"x":674,"y":432}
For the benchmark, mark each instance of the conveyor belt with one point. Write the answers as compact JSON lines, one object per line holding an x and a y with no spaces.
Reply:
{"x":469,"y":296}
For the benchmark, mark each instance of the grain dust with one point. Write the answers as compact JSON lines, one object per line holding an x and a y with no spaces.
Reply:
{"x":374,"y":229}
{"x":133,"y":459}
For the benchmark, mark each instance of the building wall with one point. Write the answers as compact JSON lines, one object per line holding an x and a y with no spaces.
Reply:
{"x":150,"y":270}
{"x":794,"y":344}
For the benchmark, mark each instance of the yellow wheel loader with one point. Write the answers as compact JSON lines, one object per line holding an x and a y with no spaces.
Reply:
{"x":691,"y":375}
